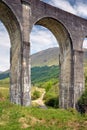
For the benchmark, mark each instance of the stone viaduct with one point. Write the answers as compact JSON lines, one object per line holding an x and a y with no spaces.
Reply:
{"x":19,"y":16}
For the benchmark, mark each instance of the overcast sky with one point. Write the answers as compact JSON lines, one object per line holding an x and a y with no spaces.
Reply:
{"x":41,"y":38}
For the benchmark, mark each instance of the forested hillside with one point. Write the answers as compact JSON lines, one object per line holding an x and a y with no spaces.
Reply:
{"x":44,"y":74}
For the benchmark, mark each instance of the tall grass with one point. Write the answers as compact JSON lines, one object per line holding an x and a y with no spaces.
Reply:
{"x":15,"y":117}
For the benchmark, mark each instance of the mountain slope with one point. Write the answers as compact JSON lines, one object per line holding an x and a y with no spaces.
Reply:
{"x":44,"y":74}
{"x":4,"y":74}
{"x":46,"y":57}
{"x":49,"y":57}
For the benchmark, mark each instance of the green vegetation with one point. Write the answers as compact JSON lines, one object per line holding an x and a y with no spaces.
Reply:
{"x":82,"y":102}
{"x":44,"y":74}
{"x":5,"y":83}
{"x":4,"y":93}
{"x":51,"y":95}
{"x":47,"y":77}
{"x":36,"y":94}
{"x":39,"y":75}
{"x":13,"y":117}
{"x":42,"y":77}
{"x":52,"y":101}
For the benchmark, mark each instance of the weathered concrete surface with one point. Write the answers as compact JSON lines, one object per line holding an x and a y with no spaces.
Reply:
{"x":19,"y":16}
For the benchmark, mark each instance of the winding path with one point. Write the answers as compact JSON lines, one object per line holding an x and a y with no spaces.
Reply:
{"x":40,"y":101}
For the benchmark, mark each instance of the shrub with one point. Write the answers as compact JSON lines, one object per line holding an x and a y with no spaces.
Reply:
{"x":48,"y":86}
{"x":82,"y":103}
{"x":52,"y":102}
{"x":35,"y":95}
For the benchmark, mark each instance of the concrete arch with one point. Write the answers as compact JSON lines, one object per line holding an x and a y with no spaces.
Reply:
{"x":11,"y":23}
{"x":47,"y":18}
{"x":65,"y":45}
{"x":58,"y":29}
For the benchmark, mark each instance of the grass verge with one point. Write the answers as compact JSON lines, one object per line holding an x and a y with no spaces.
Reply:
{"x":14,"y":117}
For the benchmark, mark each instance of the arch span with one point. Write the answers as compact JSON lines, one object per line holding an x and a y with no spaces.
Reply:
{"x":65,"y":45}
{"x":8,"y":18}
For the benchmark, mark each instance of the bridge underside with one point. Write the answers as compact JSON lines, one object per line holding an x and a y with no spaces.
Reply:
{"x":19,"y":18}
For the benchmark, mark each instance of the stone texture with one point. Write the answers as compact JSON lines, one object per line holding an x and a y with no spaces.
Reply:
{"x":19,"y":16}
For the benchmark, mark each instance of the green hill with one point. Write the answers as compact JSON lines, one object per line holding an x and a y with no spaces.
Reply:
{"x":44,"y":74}
{"x":46,"y":57}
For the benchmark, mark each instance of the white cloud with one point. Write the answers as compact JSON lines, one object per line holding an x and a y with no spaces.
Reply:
{"x":4,"y":39}
{"x":4,"y":36}
{"x":81,"y":9}
{"x":85,"y":43}
{"x":63,"y":4}
{"x":41,"y":39}
{"x":4,"y":48}
{"x":4,"y":63}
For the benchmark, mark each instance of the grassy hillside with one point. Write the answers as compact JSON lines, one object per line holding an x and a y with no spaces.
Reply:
{"x":5,"y":82}
{"x":46,"y":57}
{"x":44,"y":74}
{"x":13,"y":117}
{"x":38,"y":75}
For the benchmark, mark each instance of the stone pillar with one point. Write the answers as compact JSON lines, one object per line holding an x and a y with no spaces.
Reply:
{"x":79,"y":84}
{"x":15,"y":72}
{"x":66,"y":88}
{"x":26,"y":81}
{"x":71,"y":79}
